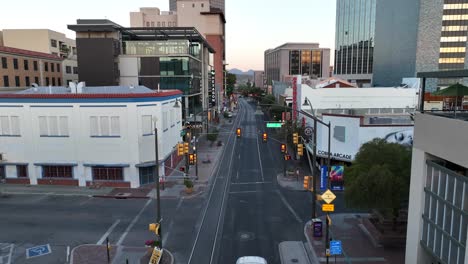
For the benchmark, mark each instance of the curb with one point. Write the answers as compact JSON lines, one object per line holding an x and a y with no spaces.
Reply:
{"x":73,"y":251}
{"x":369,"y":236}
{"x":313,"y":258}
{"x":119,"y":197}
{"x":170,"y":254}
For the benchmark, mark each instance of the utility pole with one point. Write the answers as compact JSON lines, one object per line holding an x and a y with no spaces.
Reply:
{"x":314,"y":170}
{"x":328,"y":186}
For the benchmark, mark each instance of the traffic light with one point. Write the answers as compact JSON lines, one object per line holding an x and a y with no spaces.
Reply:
{"x":191,"y":159}
{"x":306,"y":182}
{"x":265,"y":137}
{"x":300,"y":149}
{"x":295,"y":138}
{"x":194,"y":158}
{"x":186,"y":147}
{"x":238,"y":132}
{"x":154,"y":227}
{"x":283,"y":148}
{"x":180,"y":149}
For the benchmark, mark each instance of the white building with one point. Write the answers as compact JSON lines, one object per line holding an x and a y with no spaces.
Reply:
{"x":438,"y":204}
{"x":357,"y":116}
{"x":100,"y":134}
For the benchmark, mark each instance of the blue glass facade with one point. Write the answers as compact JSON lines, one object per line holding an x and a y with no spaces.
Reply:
{"x":355,"y":31}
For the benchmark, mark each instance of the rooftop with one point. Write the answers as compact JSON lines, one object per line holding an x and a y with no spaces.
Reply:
{"x":59,"y":92}
{"x":141,"y":33}
{"x":28,"y":53}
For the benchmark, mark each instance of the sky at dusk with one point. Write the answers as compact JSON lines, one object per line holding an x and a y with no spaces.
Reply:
{"x":252,"y":25}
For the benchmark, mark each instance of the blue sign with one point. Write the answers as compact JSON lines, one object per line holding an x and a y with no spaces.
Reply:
{"x":323,"y":177}
{"x":38,"y":251}
{"x":335,"y":247}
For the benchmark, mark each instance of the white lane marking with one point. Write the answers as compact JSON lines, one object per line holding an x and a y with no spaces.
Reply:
{"x":11,"y":254}
{"x":68,"y":253}
{"x":260,"y":160}
{"x":111,"y":228}
{"x":212,"y":189}
{"x":296,"y":216}
{"x":168,"y":232}
{"x":242,"y":192}
{"x":130,"y":226}
{"x":237,"y":177}
{"x":246,"y":183}
{"x":179,"y":204}
{"x":86,"y":201}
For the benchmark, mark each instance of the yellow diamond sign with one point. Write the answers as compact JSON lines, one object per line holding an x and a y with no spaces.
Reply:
{"x":328,"y":196}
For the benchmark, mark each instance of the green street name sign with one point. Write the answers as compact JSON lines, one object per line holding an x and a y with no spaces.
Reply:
{"x":274,"y":125}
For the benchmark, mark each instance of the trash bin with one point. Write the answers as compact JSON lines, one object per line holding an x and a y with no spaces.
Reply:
{"x":317,"y":227}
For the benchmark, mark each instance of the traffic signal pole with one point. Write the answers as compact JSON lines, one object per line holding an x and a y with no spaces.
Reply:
{"x":158,"y":200}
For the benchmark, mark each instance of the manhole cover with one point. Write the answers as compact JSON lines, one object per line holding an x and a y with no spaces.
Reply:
{"x":246,"y":236}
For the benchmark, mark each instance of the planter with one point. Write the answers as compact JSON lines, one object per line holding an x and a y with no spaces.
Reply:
{"x":189,"y":190}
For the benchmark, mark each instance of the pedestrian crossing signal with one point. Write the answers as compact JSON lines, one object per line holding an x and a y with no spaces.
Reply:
{"x":265,"y":137}
{"x":191,"y":159}
{"x":186,"y":148}
{"x":295,"y":138}
{"x":238,"y":132}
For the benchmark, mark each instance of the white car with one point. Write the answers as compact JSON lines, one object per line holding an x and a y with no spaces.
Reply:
{"x":251,"y":260}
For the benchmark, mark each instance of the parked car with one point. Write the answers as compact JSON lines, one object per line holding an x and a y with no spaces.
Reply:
{"x":251,"y":260}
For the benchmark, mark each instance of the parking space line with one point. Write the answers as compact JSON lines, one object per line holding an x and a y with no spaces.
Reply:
{"x":130,"y":226}
{"x":108,"y":232}
{"x":11,"y":253}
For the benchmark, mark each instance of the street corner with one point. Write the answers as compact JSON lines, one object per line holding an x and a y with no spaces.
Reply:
{"x":90,"y":253}
{"x":291,"y":183}
{"x":190,"y":193}
{"x":126,"y":193}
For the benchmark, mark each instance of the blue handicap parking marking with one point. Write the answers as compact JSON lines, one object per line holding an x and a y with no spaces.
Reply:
{"x":335,"y":247}
{"x":38,"y":251}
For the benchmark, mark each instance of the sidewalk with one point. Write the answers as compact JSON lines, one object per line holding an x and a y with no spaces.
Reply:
{"x":52,"y":190}
{"x":97,"y":254}
{"x":357,"y":246}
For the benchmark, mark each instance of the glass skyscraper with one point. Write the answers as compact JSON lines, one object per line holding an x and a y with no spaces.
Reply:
{"x":354,"y":42}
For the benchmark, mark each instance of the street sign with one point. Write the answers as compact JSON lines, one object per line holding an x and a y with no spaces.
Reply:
{"x":328,"y":196}
{"x":335,"y":247}
{"x":38,"y":251}
{"x":308,"y":131}
{"x":328,"y":207}
{"x":156,"y":256}
{"x":274,"y":125}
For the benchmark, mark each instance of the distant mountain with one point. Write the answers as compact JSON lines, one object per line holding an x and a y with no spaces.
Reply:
{"x":240,"y":72}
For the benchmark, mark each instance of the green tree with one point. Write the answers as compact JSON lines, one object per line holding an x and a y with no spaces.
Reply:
{"x":268,"y":99}
{"x":212,"y":136}
{"x":231,"y":80}
{"x":379,"y":178}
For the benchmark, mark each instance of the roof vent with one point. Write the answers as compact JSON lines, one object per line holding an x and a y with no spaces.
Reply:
{"x":72,"y":87}
{"x":79,"y":87}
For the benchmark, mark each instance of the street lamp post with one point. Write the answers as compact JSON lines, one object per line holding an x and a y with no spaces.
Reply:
{"x":156,"y":173}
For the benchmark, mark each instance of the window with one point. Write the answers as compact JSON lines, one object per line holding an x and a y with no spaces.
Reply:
{"x":159,"y":24}
{"x":52,"y":67}
{"x":172,"y":117}
{"x":104,"y":126}
{"x":15,"y":64}
{"x":35,"y":65}
{"x":202,"y":5}
{"x":108,"y":174}
{"x":26,"y":65}
{"x":21,"y":171}
{"x":74,"y":50}
{"x":147,"y":24}
{"x":58,"y":67}
{"x":4,"y":63}
{"x":169,"y":24}
{"x":27,"y":81}
{"x":9,"y":126}
{"x":36,"y":80}
{"x":193,"y":5}
{"x":68,"y":69}
{"x":6,"y":82}
{"x":53,"y":126}
{"x":53,"y":80}
{"x":53,"y":43}
{"x":152,"y":24}
{"x":165,"y":121}
{"x":75,"y":70}
{"x":46,"y":66}
{"x":47,"y":81}
{"x":59,"y":81}
{"x":17,"y":81}
{"x":57,"y":172}
{"x":163,"y":24}
{"x":146,"y":124}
